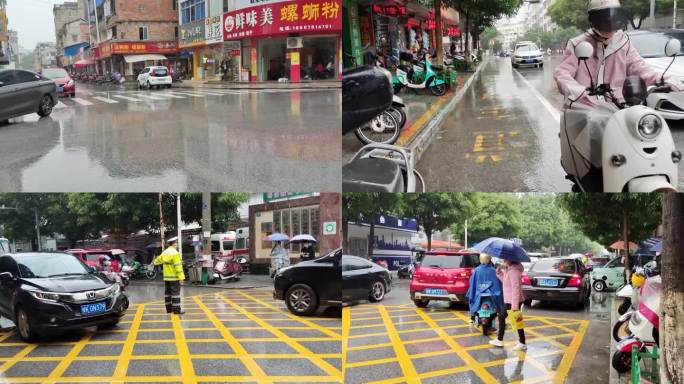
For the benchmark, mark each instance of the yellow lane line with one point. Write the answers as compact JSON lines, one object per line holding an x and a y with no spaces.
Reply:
{"x":17,"y":357}
{"x":324,"y":365}
{"x":300,"y":319}
{"x":165,"y":379}
{"x":571,"y":351}
{"x":346,"y":326}
{"x":187,"y":369}
{"x":409,"y":132}
{"x":409,"y":371}
{"x":246,"y":359}
{"x":372,"y":362}
{"x":127,"y":350}
{"x":469,"y":360}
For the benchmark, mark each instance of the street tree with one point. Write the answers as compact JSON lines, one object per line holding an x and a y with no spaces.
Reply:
{"x":672,"y":299}
{"x":490,"y":214}
{"x":365,"y":207}
{"x":436,"y":211}
{"x":637,"y":11}
{"x":489,"y":37}
{"x":570,"y":13}
{"x":18,"y":218}
{"x":605,"y":217}
{"x":224,"y":208}
{"x":481,"y":14}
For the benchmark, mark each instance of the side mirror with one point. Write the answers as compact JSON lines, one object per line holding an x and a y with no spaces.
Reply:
{"x":673,"y":48}
{"x":634,"y":90}
{"x":243,"y":261}
{"x":584,"y":50}
{"x":6,"y":276}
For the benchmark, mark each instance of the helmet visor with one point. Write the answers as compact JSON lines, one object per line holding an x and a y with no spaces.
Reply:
{"x":607,"y":19}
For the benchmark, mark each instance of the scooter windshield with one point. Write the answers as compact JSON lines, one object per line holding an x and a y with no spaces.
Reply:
{"x":585,"y":126}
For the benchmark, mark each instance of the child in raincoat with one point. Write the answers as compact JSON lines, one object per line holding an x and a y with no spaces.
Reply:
{"x":484,"y":280}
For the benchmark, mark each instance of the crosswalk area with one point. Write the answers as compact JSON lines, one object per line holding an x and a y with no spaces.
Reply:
{"x":89,"y":98}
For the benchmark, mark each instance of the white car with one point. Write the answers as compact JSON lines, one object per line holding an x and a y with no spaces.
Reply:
{"x":527,"y":54}
{"x":651,"y":46}
{"x":156,"y":76}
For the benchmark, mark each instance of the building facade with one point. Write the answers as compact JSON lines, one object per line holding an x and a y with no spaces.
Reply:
{"x":4,"y":35}
{"x":132,"y":34}
{"x":270,"y":40}
{"x":45,"y":55}
{"x":71,"y":32}
{"x":392,"y":26}
{"x":319,"y":215}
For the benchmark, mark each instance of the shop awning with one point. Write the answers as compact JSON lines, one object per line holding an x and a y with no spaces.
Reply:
{"x":73,"y":50}
{"x":84,"y":62}
{"x":137,"y":58}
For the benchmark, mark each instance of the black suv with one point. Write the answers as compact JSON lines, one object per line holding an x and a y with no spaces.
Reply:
{"x":45,"y":292}
{"x":309,"y":284}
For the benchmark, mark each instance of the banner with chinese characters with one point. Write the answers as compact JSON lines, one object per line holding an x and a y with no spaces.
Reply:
{"x":137,"y":47}
{"x":297,"y":16}
{"x":192,"y":34}
{"x":213,"y":28}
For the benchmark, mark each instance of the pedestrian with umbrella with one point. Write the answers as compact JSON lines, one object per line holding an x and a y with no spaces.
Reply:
{"x":307,"y":252}
{"x":280,"y":257}
{"x":513,"y":255}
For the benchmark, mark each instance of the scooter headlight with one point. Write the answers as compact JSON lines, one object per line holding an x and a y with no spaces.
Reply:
{"x":650,"y":127}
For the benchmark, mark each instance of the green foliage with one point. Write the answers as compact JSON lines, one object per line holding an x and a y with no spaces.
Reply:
{"x":599,"y":215}
{"x":638,"y":10}
{"x":490,"y":214}
{"x":490,"y":34}
{"x":555,"y":39}
{"x":437,"y":211}
{"x":570,"y":13}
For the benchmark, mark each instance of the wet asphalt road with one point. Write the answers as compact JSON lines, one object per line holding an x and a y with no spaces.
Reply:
{"x":176,"y":140}
{"x":502,"y":138}
{"x":591,"y":361}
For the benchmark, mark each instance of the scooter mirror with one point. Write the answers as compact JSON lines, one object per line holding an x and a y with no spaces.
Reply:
{"x":634,"y":90}
{"x":673,"y":48}
{"x":584,"y":50}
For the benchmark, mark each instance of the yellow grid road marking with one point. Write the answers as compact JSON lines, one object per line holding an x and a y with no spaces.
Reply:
{"x":402,"y":355}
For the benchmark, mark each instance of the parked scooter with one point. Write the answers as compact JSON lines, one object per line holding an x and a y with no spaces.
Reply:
{"x":406,"y":271}
{"x":424,"y":71}
{"x":637,"y":150}
{"x":366,"y":92}
{"x":644,"y":325}
{"x":228,"y":268}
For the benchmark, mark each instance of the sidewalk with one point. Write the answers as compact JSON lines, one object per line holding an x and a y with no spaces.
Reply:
{"x":261,"y":85}
{"x":423,"y":112}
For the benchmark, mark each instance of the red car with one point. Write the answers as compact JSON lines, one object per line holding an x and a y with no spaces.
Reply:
{"x":66,"y":86}
{"x":92,"y":257}
{"x":443,"y":276}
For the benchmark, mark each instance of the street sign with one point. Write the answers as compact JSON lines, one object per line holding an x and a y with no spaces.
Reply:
{"x":330,"y":228}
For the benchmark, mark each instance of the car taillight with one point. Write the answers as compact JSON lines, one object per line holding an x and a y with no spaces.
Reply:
{"x":465,"y":274}
{"x":525,"y":279}
{"x":575,"y":281}
{"x":485,"y":306}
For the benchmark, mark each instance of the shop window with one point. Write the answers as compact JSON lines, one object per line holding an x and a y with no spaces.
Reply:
{"x":175,"y":32}
{"x":315,"y":223}
{"x":276,"y":221}
{"x":319,"y":57}
{"x":266,"y":229}
{"x":296,"y":228}
{"x":305,"y":221}
{"x":142,"y":33}
{"x":285,"y":215}
{"x":114,"y":35}
{"x":192,"y":10}
{"x":174,"y":4}
{"x":113,"y":7}
{"x":225,"y":6}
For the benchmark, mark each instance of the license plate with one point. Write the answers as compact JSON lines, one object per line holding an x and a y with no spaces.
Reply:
{"x":529,"y":61}
{"x":435,"y":291}
{"x":548,"y":282}
{"x":91,"y":309}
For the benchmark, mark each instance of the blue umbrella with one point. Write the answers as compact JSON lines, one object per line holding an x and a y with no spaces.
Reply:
{"x":503,"y":249}
{"x":277,"y":237}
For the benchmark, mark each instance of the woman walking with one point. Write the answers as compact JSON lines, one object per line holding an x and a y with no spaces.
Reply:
{"x":513,"y":298}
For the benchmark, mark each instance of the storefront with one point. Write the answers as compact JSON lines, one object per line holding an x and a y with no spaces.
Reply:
{"x":318,"y":215}
{"x":129,"y":58}
{"x":286,"y":41}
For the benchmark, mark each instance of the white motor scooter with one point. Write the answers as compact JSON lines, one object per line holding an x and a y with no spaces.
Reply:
{"x":638,"y":153}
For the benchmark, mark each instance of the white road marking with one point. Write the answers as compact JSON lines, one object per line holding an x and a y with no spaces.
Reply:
{"x":105,"y":99}
{"x":126,"y":98}
{"x":185,"y":94}
{"x":81,"y":101}
{"x":151,"y":97}
{"x":191,"y":94}
{"x":545,"y":102}
{"x":169,"y":94}
{"x":59,"y":105}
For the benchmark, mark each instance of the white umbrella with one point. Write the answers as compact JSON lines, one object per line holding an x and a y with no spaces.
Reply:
{"x":118,"y":252}
{"x":302,"y":238}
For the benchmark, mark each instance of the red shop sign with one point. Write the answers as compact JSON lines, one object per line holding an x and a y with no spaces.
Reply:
{"x":145,"y":47}
{"x":299,"y":16}
{"x":454,"y":31}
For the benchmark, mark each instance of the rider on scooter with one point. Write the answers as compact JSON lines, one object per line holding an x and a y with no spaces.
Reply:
{"x":484,"y":280}
{"x":614,"y":60}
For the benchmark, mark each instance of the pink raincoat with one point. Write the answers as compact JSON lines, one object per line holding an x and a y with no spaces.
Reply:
{"x":614,"y":60}
{"x":512,"y":286}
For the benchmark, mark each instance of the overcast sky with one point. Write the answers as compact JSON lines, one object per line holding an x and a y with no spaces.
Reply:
{"x":33,"y":20}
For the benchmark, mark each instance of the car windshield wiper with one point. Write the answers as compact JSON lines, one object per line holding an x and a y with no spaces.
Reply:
{"x":68,"y":274}
{"x":436,"y":266}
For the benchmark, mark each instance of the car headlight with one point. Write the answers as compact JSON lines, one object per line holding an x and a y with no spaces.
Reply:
{"x":45,"y":296}
{"x":650,"y":127}
{"x":70,"y":83}
{"x":114,"y":290}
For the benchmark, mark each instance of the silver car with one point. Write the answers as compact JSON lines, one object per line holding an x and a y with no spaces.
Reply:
{"x":23,"y":92}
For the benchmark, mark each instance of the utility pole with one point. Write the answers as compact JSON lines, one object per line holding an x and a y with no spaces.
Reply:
{"x":178,"y":220}
{"x":90,"y":33}
{"x":35,"y":211}
{"x":97,"y":25}
{"x":206,"y":232}
{"x":161,"y":221}
{"x":466,"y":235}
{"x":652,"y":17}
{"x":438,"y":32}
{"x":674,"y":16}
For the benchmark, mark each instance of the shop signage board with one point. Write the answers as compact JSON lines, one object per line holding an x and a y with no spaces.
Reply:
{"x":213,"y":32}
{"x":137,"y":47}
{"x":275,"y":196}
{"x":242,"y":4}
{"x":192,"y":34}
{"x":283,"y":18}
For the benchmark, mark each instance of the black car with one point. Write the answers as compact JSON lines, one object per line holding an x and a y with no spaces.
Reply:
{"x":44,"y":292}
{"x":23,"y":92}
{"x":558,"y":279}
{"x":363,"y":280}
{"x":310,"y":284}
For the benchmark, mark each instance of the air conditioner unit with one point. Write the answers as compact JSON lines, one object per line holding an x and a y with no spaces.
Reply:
{"x":294,"y":42}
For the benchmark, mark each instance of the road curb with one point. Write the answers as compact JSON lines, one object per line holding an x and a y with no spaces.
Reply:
{"x":421,"y":142}
{"x":335,"y":85}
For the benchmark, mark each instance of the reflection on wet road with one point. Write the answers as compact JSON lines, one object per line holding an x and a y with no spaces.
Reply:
{"x":499,"y":138}
{"x":177,"y":140}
